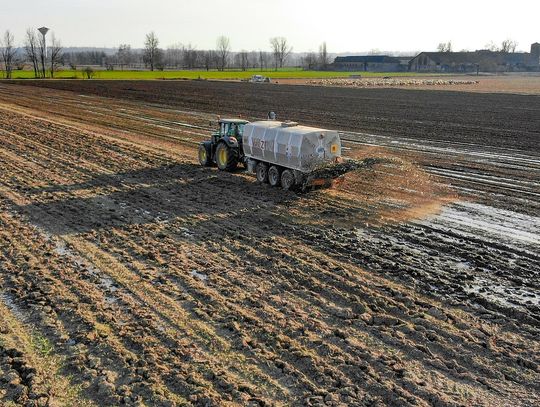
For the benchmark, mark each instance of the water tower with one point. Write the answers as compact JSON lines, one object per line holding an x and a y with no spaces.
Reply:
{"x":44,"y":31}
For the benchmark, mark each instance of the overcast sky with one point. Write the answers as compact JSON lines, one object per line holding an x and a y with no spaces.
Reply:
{"x":346,"y":25}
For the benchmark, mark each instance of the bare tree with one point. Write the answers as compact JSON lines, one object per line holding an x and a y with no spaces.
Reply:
{"x":223,"y":46}
{"x":208,"y":59}
{"x":445,"y":46}
{"x":244,"y":60}
{"x":173,"y":55}
{"x":491,"y":46}
{"x":89,"y":72}
{"x":152,"y":53}
{"x":236,"y":61}
{"x":31,"y":47}
{"x":55,"y":53}
{"x":124,"y":56}
{"x":324,"y":60}
{"x":281,"y":51}
{"x":190,"y":56}
{"x":508,"y":46}
{"x":253,"y":57}
{"x":7,"y":51}
{"x":310,"y":61}
{"x":263,"y":60}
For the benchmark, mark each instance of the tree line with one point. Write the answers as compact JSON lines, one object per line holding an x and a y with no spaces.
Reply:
{"x":46,"y":58}
{"x":222,"y":57}
{"x":507,"y":46}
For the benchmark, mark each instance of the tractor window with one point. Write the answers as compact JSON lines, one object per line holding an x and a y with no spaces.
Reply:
{"x":235,"y":130}
{"x":241,"y":129}
{"x":232,"y":129}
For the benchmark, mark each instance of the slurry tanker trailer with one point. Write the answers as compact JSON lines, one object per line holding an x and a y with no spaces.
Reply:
{"x":282,"y":154}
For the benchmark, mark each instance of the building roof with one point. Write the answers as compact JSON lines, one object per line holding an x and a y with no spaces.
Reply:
{"x":379,"y":59}
{"x":477,"y":57}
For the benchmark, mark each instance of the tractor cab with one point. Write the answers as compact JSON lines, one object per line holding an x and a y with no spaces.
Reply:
{"x":231,"y":128}
{"x":225,"y":146}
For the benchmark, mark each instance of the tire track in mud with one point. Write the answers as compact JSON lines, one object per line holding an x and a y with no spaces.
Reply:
{"x":322,"y":313}
{"x":237,"y":285}
{"x":81,"y":328}
{"x":130,"y":287}
{"x":27,"y":366}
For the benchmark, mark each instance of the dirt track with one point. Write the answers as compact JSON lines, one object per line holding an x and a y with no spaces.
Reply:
{"x":150,"y":280}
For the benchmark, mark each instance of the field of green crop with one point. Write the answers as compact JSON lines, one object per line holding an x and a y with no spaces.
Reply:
{"x":228,"y":74}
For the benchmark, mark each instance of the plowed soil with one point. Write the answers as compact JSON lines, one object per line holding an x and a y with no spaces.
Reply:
{"x":501,"y":120}
{"x":130,"y":275}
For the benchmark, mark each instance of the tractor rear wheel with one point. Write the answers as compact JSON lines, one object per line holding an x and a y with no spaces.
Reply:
{"x":261,"y":169}
{"x":287,"y":180}
{"x":274,"y":176}
{"x":205,"y":158}
{"x":226,"y":157}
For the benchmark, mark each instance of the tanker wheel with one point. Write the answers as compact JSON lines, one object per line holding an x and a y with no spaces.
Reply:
{"x":274,"y":176}
{"x":226,"y":157}
{"x":287,"y":180}
{"x":262,"y":172}
{"x":204,"y":157}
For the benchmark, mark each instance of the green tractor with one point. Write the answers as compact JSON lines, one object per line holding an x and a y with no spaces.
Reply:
{"x":225,"y":146}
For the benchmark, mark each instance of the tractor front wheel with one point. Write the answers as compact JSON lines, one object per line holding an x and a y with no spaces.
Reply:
{"x":226,"y":157}
{"x":205,"y":158}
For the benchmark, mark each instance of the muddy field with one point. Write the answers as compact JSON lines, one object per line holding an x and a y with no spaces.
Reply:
{"x":129,"y":275}
{"x":499,"y":120}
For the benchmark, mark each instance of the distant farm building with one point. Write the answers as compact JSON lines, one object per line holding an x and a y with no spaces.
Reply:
{"x":484,"y":60}
{"x":370,"y":63}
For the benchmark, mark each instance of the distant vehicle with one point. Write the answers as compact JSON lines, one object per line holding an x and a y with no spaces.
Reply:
{"x":259,"y":79}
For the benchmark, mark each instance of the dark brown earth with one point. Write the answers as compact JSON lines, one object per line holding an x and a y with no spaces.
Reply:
{"x":503,"y":120}
{"x":131,"y":275}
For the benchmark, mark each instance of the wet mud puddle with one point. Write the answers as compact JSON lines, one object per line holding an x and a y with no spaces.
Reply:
{"x":510,"y":237}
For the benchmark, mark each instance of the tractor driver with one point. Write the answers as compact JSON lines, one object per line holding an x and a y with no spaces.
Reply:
{"x":233,"y":130}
